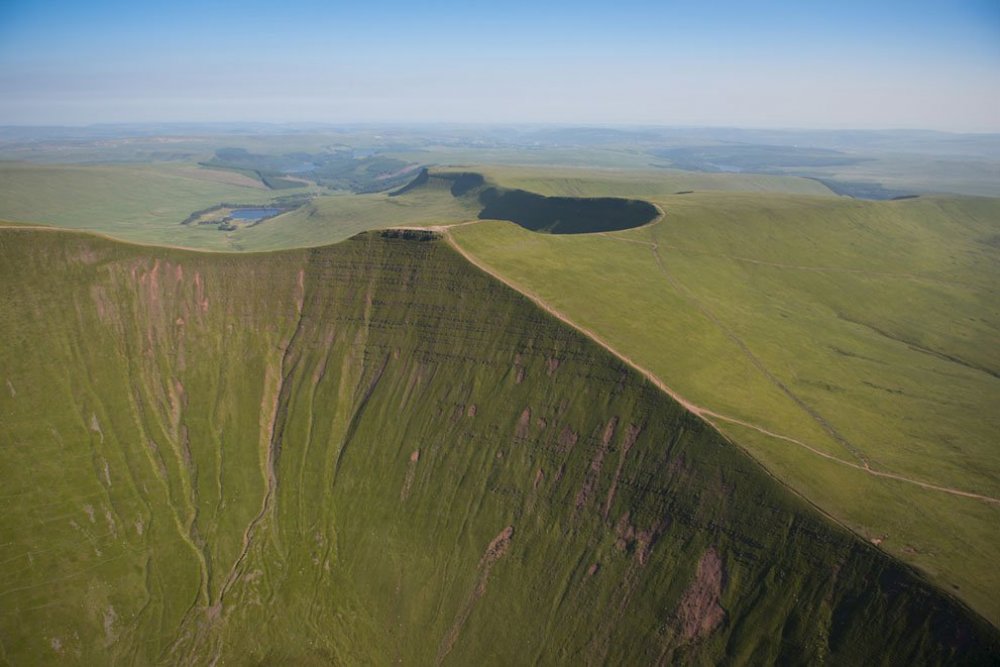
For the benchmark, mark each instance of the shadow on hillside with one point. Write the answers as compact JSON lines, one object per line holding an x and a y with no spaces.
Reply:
{"x":539,"y":213}
{"x":565,"y":215}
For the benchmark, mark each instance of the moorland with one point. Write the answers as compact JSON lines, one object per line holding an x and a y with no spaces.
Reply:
{"x":614,"y":356}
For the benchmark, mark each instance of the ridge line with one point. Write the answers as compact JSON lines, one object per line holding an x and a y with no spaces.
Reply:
{"x":702,"y":413}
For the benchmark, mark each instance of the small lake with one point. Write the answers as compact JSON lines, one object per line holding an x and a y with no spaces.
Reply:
{"x":254,"y":213}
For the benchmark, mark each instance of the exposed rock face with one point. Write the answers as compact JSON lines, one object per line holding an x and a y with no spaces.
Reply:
{"x":699,"y":612}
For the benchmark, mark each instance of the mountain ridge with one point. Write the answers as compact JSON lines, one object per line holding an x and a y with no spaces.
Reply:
{"x":433,"y":465}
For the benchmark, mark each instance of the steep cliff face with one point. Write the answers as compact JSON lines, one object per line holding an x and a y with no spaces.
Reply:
{"x":371,"y":453}
{"x":536,"y":212}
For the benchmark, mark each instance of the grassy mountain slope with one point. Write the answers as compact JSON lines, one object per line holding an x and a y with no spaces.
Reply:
{"x":371,"y":453}
{"x":864,"y":330}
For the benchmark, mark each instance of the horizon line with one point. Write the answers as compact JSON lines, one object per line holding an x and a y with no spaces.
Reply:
{"x":487,"y":124}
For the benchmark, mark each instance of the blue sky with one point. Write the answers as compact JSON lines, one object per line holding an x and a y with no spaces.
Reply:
{"x":844,"y":64}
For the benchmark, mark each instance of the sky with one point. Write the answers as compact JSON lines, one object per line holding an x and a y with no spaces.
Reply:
{"x":796,"y":64}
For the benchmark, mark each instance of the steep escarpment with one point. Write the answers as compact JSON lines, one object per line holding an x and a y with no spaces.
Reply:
{"x":371,"y":453}
{"x":539,"y":213}
{"x":565,"y":215}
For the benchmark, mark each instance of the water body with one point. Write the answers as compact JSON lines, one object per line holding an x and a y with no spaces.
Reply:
{"x":254,"y":213}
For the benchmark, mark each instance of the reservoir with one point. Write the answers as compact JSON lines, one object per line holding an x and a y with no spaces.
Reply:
{"x":254,"y":213}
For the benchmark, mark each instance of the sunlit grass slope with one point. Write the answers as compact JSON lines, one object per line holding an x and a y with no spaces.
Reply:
{"x":585,"y":182}
{"x":866,"y":331}
{"x":372,"y":453}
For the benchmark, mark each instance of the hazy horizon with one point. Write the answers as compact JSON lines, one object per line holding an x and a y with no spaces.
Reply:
{"x":182,"y":126}
{"x":779,"y":65}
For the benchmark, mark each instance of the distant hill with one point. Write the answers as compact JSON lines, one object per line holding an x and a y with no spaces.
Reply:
{"x":338,"y":170}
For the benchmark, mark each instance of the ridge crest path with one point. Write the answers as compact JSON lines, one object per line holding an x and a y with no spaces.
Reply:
{"x":699,"y":411}
{"x":703,"y":413}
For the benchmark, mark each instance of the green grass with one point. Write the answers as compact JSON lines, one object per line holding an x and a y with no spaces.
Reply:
{"x":303,"y":457}
{"x":540,"y":213}
{"x":922,"y":173}
{"x":865,"y":330}
{"x":639,"y":182}
{"x":146,"y":204}
{"x":335,"y":218}
{"x":141,"y":203}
